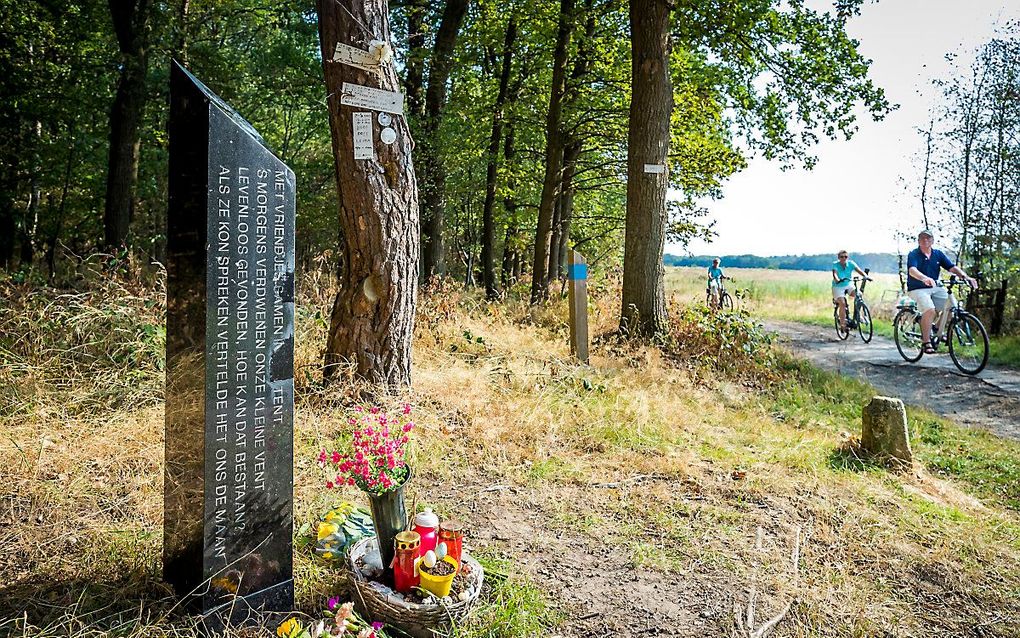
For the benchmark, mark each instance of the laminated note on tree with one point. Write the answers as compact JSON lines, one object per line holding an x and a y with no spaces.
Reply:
{"x":655,"y":168}
{"x":353,"y":56}
{"x":368,"y":98}
{"x":363,"y":136}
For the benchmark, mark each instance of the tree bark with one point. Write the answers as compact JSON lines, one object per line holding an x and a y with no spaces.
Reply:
{"x":553,"y":155}
{"x":644,"y":303}
{"x":570,"y":155}
{"x":416,"y":54}
{"x":372,"y":321}
{"x":181,"y":41}
{"x":130,"y":22}
{"x":554,"y":236}
{"x":506,"y":271}
{"x":8,"y":227}
{"x":433,"y":168}
{"x":58,"y":223}
{"x":571,"y":148}
{"x":495,"y":140}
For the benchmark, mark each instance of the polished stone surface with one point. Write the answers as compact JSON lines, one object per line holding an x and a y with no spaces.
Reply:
{"x":230,"y":345}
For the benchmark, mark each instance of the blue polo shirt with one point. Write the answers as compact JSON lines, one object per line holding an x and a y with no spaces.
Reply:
{"x":929,"y":266}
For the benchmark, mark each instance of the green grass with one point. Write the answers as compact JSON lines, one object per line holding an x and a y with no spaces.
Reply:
{"x":513,"y":607}
{"x":987,"y":464}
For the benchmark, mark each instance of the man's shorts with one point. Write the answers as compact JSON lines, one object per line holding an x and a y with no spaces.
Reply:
{"x":713,"y":284}
{"x":929,"y":298}
{"x":840,"y":290}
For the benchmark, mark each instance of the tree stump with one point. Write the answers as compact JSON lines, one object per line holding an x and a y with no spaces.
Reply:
{"x":885,"y":429}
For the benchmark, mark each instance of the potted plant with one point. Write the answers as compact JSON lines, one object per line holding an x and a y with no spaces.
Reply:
{"x":376,"y":463}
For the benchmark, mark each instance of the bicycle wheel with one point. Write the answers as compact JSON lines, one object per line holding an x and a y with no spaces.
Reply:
{"x":840,"y":332}
{"x":864,"y":326}
{"x":726,"y":301}
{"x":968,"y":343}
{"x":907,"y":334}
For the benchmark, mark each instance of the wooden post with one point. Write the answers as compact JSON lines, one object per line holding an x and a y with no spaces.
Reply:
{"x":577,"y":273}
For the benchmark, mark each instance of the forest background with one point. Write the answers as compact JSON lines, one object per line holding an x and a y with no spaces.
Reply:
{"x":83,"y":148}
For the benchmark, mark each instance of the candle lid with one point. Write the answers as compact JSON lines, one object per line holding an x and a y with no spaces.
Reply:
{"x":426,"y":519}
{"x":452,"y":526}
{"x":407,"y":540}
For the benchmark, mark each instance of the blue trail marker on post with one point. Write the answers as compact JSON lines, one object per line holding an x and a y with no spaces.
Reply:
{"x":577,"y":273}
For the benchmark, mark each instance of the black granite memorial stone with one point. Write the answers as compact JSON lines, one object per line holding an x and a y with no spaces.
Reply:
{"x":228,"y":491}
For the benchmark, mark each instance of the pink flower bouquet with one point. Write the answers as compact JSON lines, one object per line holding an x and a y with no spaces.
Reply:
{"x":376,"y":461}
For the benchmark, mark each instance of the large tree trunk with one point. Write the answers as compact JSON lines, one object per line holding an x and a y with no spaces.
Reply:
{"x":553,"y":155}
{"x":130,"y":21}
{"x":495,"y":139}
{"x":372,"y":322}
{"x":644,"y":303}
{"x":433,"y":169}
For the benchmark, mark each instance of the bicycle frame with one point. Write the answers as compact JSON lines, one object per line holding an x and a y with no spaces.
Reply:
{"x":858,"y":298}
{"x":962,"y":332}
{"x":951,"y":307}
{"x":722,"y":290}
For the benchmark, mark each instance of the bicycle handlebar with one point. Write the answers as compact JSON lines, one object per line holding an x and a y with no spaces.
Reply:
{"x":953,"y":281}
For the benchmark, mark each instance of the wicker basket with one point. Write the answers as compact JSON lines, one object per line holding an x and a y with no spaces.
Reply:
{"x":376,"y":601}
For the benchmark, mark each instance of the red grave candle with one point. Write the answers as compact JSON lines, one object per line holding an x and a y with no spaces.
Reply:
{"x":452,"y":533}
{"x":406,"y":545}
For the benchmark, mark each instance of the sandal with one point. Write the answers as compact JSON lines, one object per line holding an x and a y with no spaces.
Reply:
{"x":928,"y":348}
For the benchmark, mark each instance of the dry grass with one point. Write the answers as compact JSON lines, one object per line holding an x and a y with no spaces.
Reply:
{"x":706,"y":481}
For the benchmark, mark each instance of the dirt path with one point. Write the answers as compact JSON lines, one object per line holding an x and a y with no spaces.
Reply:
{"x":594,"y":585}
{"x":991,"y":400}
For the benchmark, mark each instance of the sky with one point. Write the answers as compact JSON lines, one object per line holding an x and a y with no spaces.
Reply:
{"x":862,"y":191}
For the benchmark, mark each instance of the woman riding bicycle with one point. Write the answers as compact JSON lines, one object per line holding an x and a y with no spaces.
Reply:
{"x":924,"y":264}
{"x":715,"y":277}
{"x":842,"y":287}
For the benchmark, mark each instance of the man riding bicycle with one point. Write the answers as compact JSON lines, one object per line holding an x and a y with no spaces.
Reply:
{"x":924,"y":264}
{"x":715,"y":277}
{"x":842,"y":270}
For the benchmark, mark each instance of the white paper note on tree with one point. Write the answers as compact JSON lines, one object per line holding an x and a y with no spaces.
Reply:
{"x":363,"y":147}
{"x":353,"y":56}
{"x":376,"y":99}
{"x":655,"y":168}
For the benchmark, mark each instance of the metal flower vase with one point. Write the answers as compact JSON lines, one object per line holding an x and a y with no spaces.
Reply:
{"x":389,"y":516}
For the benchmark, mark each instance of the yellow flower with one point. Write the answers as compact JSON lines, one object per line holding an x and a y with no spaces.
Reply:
{"x":289,"y":627}
{"x":327,"y":529}
{"x":340,"y":512}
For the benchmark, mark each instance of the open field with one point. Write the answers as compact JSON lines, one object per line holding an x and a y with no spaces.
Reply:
{"x":804,"y":296}
{"x":634,"y":496}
